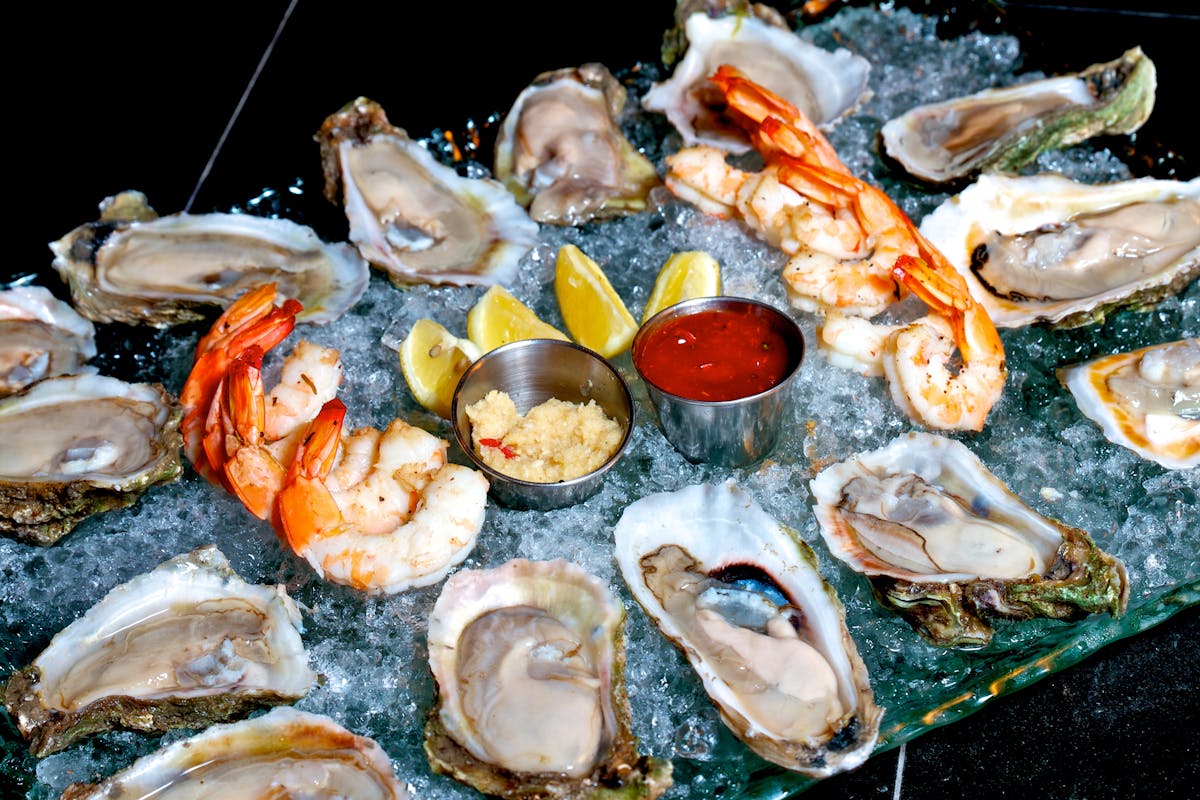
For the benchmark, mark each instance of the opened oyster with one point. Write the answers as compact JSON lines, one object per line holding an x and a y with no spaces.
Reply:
{"x":40,"y":337}
{"x":1002,"y":130}
{"x":412,"y":216}
{"x":284,"y":753}
{"x":826,"y":85}
{"x":945,"y":543}
{"x":136,"y":267}
{"x":1146,"y":400}
{"x":562,"y":154}
{"x":187,"y":643}
{"x":529,"y":660}
{"x":1044,"y":248}
{"x":741,"y":596}
{"x":76,"y":445}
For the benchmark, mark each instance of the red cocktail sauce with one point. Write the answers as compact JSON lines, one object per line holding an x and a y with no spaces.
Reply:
{"x":714,"y":355}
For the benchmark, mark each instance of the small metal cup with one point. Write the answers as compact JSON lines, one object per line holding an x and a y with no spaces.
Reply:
{"x":732,"y":433}
{"x":532,"y":371}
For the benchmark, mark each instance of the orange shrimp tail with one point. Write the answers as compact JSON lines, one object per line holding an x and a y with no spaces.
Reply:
{"x":307,"y":509}
{"x":253,"y":319}
{"x":945,"y":293}
{"x":750,"y":100}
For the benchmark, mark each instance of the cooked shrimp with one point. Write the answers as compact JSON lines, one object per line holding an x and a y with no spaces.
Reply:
{"x":917,"y":357}
{"x":381,"y":524}
{"x":252,"y":320}
{"x":257,"y":434}
{"x":853,"y":342}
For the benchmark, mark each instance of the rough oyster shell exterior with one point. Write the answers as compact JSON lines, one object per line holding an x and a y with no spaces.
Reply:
{"x":562,"y":153}
{"x":283,"y":753}
{"x":564,"y":632}
{"x":1003,"y":130}
{"x":946,"y":544}
{"x":1048,"y":249}
{"x":40,"y":337}
{"x":185,"y":644}
{"x":412,"y":216}
{"x":77,"y":445}
{"x":136,"y":267}
{"x":776,"y":659}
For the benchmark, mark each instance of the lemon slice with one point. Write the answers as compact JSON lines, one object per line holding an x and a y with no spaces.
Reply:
{"x":693,"y":273}
{"x":591,"y":308}
{"x":432,"y":360}
{"x":499,"y":318}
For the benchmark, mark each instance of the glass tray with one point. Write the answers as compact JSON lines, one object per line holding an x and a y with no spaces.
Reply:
{"x":371,"y":650}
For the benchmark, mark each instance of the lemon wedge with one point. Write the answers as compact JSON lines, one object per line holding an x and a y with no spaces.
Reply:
{"x":499,"y":318}
{"x":685,"y":275}
{"x":432,"y":360}
{"x":592,"y":310}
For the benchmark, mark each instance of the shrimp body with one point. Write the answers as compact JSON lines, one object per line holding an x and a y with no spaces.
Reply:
{"x":403,"y":521}
{"x":917,"y":357}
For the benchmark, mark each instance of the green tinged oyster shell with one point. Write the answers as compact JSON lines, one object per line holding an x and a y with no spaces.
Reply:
{"x":1003,"y":130}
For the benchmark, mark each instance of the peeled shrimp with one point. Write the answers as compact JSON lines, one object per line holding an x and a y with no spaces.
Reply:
{"x":383,"y":513}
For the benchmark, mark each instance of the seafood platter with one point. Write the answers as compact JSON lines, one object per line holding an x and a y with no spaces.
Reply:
{"x":236,"y":511}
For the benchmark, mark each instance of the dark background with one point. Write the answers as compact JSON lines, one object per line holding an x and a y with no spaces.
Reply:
{"x":136,"y":95}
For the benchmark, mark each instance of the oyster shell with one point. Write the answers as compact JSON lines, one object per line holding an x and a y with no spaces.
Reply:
{"x":826,"y":85}
{"x":187,"y":643}
{"x":741,"y":596}
{"x":40,"y":337}
{"x":76,"y":445}
{"x":283,"y":753}
{"x":412,"y":216}
{"x":1147,"y":400}
{"x":945,"y":543}
{"x":562,"y":153}
{"x":1002,"y":130}
{"x":529,"y":662}
{"x":1047,"y":249}
{"x":136,"y":267}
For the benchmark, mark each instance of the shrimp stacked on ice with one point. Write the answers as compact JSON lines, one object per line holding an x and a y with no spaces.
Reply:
{"x":381,"y":511}
{"x":854,"y":254}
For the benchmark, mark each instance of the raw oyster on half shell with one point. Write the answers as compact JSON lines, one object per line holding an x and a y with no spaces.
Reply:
{"x":826,"y":85}
{"x":40,"y":337}
{"x":412,"y":216}
{"x":741,"y":596}
{"x":946,"y":544}
{"x":1048,"y":249}
{"x":284,"y":753}
{"x":1146,"y":400}
{"x":136,"y":267}
{"x":529,"y":661}
{"x":1003,"y":130}
{"x":562,"y":153}
{"x":76,"y":445}
{"x":188,"y":643}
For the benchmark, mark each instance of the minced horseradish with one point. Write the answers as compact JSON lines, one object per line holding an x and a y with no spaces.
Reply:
{"x":555,"y":441}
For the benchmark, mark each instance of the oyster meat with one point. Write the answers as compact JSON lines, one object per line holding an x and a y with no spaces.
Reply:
{"x":136,"y":267}
{"x":945,"y":543}
{"x":1047,"y":249}
{"x":76,"y":445}
{"x":1146,"y":400}
{"x":185,"y":644}
{"x":40,"y":337}
{"x":562,"y":153}
{"x":1003,"y":130}
{"x":412,"y":216}
{"x":826,"y":85}
{"x":741,"y":596}
{"x":528,"y":659}
{"x":283,"y":753}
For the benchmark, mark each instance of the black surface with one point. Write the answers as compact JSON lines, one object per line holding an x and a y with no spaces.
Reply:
{"x":136,"y":96}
